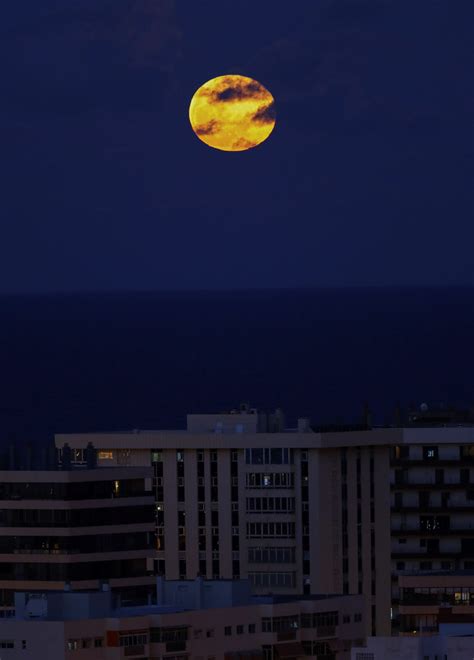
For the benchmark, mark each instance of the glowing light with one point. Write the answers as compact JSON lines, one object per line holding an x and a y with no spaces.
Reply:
{"x":232,"y":113}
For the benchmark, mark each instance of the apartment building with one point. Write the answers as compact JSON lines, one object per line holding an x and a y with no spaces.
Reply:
{"x":198,"y":619}
{"x":304,"y":511}
{"x":429,"y":600}
{"x":76,"y":527}
{"x":239,"y":496}
{"x":432,"y":504}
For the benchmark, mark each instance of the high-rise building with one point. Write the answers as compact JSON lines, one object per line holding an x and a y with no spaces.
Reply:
{"x":75,"y":528}
{"x":240,"y":496}
{"x":304,"y":510}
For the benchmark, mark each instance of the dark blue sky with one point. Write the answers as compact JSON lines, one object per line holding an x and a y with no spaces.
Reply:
{"x":367,"y":179}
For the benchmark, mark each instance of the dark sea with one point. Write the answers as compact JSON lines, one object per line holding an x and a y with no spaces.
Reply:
{"x":143,"y":360}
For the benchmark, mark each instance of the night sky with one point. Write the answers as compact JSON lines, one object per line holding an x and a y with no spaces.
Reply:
{"x":366,"y":180}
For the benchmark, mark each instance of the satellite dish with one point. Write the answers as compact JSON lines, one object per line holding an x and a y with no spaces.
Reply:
{"x":424,"y":407}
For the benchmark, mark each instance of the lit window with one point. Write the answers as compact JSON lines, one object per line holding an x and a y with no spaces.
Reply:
{"x":106,"y":455}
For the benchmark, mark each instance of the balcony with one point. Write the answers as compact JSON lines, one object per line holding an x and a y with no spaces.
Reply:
{"x":403,"y":530}
{"x":130,"y":651}
{"x":465,"y":461}
{"x":407,"y":484}
{"x":326,"y":631}
{"x":286,"y":636}
{"x":176,"y":647}
{"x":428,"y":508}
{"x":434,"y":600}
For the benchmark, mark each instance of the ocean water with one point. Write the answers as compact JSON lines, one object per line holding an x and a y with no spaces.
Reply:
{"x":122,"y":361}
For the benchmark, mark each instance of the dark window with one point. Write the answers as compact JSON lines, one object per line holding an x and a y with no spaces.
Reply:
{"x":240,"y":630}
{"x":228,"y":631}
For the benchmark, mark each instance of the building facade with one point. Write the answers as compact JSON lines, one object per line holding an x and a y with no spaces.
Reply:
{"x":196,"y":619}
{"x":295,"y":512}
{"x":429,"y":600}
{"x":298,"y":511}
{"x":76,"y":527}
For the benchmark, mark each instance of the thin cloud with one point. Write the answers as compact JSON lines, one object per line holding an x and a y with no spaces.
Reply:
{"x":211,"y":128}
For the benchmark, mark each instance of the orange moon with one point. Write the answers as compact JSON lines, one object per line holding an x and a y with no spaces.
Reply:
{"x":232,"y":113}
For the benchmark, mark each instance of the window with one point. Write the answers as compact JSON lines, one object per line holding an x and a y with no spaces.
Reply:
{"x":430,"y":453}
{"x":98,"y":642}
{"x":23,"y":643}
{"x":251,"y":628}
{"x":271,"y":530}
{"x":228,"y":631}
{"x":72,"y":644}
{"x":87,"y":643}
{"x":106,"y":455}
{"x":269,"y":456}
{"x":357,"y":617}
{"x":7,"y":644}
{"x":271,"y":555}
{"x":210,"y":632}
{"x":133,"y":640}
{"x":240,"y":630}
{"x":400,"y":565}
{"x":271,"y":580}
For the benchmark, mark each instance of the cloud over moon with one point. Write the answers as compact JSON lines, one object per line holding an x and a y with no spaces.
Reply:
{"x":266,"y":114}
{"x":210,"y":128}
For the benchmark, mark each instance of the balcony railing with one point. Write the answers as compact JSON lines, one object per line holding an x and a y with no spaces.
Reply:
{"x":409,"y":600}
{"x":175,"y":647}
{"x":286,"y":636}
{"x":134,"y":650}
{"x":326,"y":631}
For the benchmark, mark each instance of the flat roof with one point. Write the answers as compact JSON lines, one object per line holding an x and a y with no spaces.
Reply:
{"x":377,"y":436}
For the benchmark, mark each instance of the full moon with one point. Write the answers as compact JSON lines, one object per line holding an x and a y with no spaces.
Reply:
{"x":232,"y":113}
